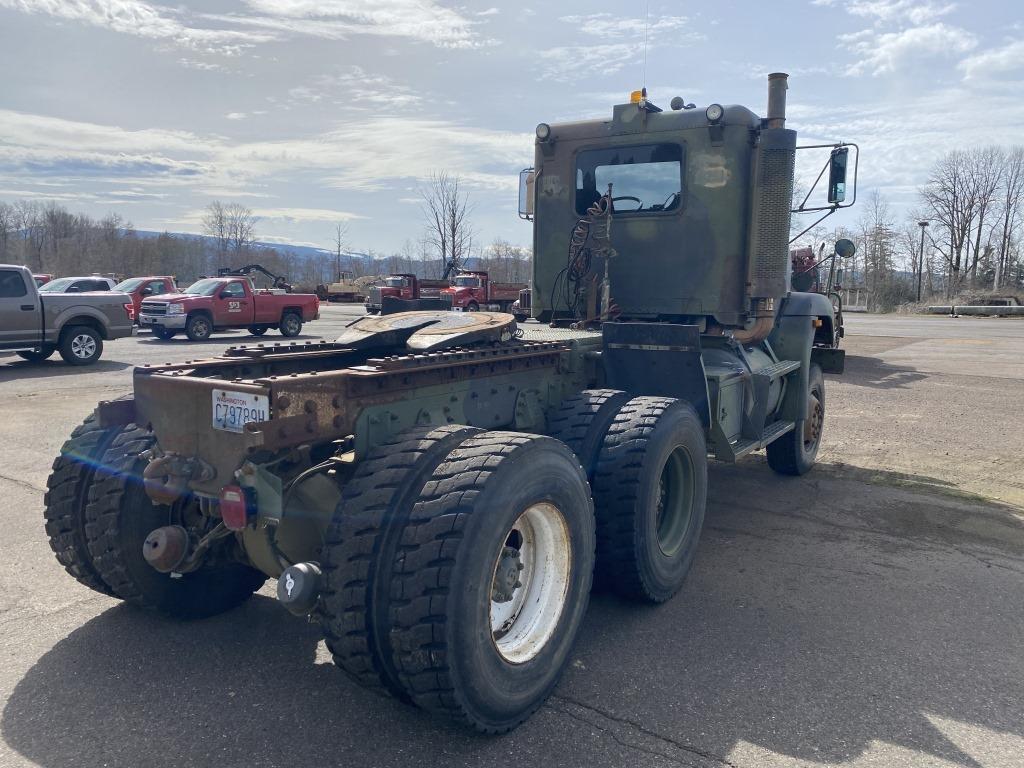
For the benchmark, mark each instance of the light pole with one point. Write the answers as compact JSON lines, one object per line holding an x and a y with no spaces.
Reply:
{"x":920,"y":260}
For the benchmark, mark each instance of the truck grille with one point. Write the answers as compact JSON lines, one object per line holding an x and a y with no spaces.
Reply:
{"x":153,"y":308}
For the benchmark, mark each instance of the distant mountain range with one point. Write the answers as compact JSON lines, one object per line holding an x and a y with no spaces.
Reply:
{"x":351,"y":261}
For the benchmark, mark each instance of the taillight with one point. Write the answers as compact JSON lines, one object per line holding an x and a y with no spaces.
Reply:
{"x":234,"y":507}
{"x":130,"y":309}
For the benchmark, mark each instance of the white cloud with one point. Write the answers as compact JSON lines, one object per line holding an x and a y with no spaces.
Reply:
{"x":566,"y":63}
{"x":236,"y":115}
{"x":884,"y":52}
{"x":422,"y":20}
{"x":994,"y":61}
{"x":354,"y":85}
{"x":305,"y":214}
{"x":609,"y":26}
{"x":625,"y":43}
{"x":134,"y":17}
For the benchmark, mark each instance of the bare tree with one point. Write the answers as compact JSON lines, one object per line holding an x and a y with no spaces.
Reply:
{"x":8,"y":226}
{"x":215,"y":226}
{"x":340,"y":244}
{"x":1011,"y":195}
{"x":985,"y":166}
{"x":446,"y":210}
{"x":951,"y":200}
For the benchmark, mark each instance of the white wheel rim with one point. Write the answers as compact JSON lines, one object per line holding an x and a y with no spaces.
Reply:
{"x":522,"y":626}
{"x":83,"y":346}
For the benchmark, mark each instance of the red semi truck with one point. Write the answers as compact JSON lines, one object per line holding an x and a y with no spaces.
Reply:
{"x":472,"y":291}
{"x":402,"y":285}
{"x":216,"y":303}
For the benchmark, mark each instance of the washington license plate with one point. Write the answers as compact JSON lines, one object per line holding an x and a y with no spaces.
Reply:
{"x":233,"y":410}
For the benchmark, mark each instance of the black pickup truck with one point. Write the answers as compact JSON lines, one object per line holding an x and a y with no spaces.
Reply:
{"x":36,"y":325}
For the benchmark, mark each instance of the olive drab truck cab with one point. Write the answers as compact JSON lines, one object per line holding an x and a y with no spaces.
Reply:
{"x":438,"y":489}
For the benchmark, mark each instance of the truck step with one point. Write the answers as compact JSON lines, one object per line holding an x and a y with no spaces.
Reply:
{"x":780,"y":369}
{"x":774,"y":431}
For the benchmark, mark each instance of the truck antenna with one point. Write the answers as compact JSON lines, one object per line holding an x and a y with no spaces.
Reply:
{"x":647,"y":24}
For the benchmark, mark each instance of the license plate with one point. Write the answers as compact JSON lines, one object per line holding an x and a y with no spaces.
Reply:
{"x":233,"y":410}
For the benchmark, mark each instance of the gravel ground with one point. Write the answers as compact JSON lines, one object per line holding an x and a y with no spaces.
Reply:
{"x":867,"y":614}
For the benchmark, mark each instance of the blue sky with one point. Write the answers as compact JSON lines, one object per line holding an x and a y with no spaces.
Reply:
{"x":314,"y":111}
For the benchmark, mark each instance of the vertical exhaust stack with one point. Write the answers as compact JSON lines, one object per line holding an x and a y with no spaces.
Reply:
{"x":774,"y":161}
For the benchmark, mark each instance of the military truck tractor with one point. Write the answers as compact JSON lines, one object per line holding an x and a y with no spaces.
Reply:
{"x":438,"y":490}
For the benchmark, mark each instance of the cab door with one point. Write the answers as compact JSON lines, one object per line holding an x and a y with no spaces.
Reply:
{"x":20,"y":310}
{"x":233,"y":305}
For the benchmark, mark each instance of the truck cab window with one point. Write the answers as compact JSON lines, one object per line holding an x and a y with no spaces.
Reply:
{"x":234,"y":291}
{"x":644,"y":179}
{"x":11,"y":284}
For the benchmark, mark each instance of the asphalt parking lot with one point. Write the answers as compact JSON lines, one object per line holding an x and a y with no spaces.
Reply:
{"x":867,"y":614}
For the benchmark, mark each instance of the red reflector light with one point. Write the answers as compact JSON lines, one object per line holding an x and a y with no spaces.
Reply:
{"x":234,"y":507}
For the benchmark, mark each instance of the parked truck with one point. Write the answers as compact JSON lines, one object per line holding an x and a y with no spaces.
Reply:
{"x":139,"y":288}
{"x":437,"y":489}
{"x":473,"y":290}
{"x":36,"y":324}
{"x":404,"y":286}
{"x":219,"y":303}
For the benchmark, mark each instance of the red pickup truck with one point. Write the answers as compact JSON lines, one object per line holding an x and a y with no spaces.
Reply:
{"x":215,"y":303}
{"x":473,"y":291}
{"x":140,"y":288}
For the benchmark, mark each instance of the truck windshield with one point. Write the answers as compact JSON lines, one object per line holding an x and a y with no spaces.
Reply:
{"x":205,"y":287}
{"x":129,"y":285}
{"x":394,"y":282}
{"x":644,"y":179}
{"x":466,"y":281}
{"x":57,"y":286}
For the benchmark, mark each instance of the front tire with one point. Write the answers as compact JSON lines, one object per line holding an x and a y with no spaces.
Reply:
{"x":80,"y":345}
{"x":120,"y":516}
{"x":258,"y":330}
{"x":199,"y":328}
{"x":796,"y":452}
{"x":492,"y":579}
{"x":472,"y":307}
{"x":164,"y":333}
{"x":650,"y":492}
{"x":291,"y":325}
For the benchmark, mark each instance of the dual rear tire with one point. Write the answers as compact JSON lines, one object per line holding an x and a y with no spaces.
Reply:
{"x":458,"y":570}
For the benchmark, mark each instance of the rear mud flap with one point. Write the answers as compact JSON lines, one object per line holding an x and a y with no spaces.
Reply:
{"x":660,"y":359}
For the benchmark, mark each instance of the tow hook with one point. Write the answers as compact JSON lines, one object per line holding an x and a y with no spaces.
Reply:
{"x":298,"y":588}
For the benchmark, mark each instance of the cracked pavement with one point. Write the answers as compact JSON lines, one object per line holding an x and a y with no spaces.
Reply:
{"x":868,"y":614}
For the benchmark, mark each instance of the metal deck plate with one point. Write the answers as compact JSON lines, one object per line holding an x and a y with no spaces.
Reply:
{"x":428,"y":330}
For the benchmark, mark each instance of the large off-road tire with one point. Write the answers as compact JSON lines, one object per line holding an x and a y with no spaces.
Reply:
{"x":164,"y":333}
{"x":67,"y":493}
{"x":582,"y":420}
{"x":360,"y":548}
{"x":199,"y":327}
{"x":38,"y":355}
{"x":120,"y":515}
{"x":470,"y":641}
{"x":650,"y":492}
{"x":291,"y":324}
{"x":795,"y":452}
{"x":80,"y":345}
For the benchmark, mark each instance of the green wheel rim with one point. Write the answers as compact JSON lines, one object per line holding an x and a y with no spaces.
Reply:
{"x":674,"y":501}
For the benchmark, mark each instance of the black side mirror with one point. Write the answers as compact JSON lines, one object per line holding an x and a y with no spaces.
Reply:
{"x":147,"y":291}
{"x":837,"y":175}
{"x":224,"y":294}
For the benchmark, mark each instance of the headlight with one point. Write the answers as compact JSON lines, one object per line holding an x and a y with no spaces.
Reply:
{"x":543,"y":131}
{"x":714,"y":113}
{"x":175,"y":309}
